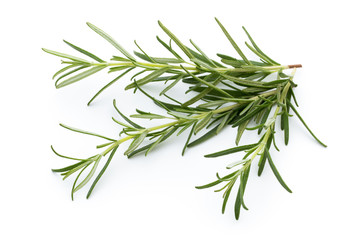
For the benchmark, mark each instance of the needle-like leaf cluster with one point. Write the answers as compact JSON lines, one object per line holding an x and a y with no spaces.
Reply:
{"x":235,"y":92}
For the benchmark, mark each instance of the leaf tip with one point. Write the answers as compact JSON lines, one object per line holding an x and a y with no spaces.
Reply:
{"x":46,"y":50}
{"x":128,"y":87}
{"x":88,"y":195}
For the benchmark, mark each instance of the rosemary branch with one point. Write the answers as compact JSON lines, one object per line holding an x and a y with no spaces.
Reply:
{"x":166,"y":69}
{"x":180,"y":121}
{"x":234,"y":92}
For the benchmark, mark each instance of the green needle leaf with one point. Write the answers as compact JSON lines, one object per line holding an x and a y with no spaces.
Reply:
{"x":238,"y":202}
{"x":68,"y":168}
{"x":188,"y":139}
{"x":240,"y":130}
{"x":63,"y":70}
{"x":108,"y":85}
{"x":157,"y":102}
{"x":207,"y":83}
{"x":136,"y":142}
{"x":244,"y":179}
{"x":176,"y":40}
{"x":108,"y":38}
{"x":171,"y":85}
{"x":207,"y":90}
{"x":125,"y":118}
{"x":63,"y":55}
{"x":226,"y":197}
{"x":75,"y":169}
{"x":158,"y":60}
{"x":169,"y":49}
{"x":231,"y":150}
{"x":85,"y":132}
{"x":204,"y":56}
{"x":150,"y":59}
{"x":75,"y":181}
{"x":159,"y":140}
{"x":89,"y":176}
{"x":285,"y":119}
{"x":150,"y":145}
{"x":147,"y":115}
{"x":209,"y":184}
{"x":101,"y":172}
{"x":203,"y":122}
{"x":303,"y":122}
{"x":261,"y":164}
{"x":245,"y":82}
{"x":264,"y":156}
{"x":77,"y":159}
{"x":70,"y":72}
{"x":275,"y":171}
{"x":233,"y":43}
{"x":80,"y":76}
{"x":262,"y":57}
{"x":258,"y":49}
{"x":148,"y":78}
{"x":84,"y":52}
{"x":204,"y":137}
{"x":223,"y":122}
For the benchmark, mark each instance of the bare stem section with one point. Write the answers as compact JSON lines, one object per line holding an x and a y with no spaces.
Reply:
{"x":295,"y":66}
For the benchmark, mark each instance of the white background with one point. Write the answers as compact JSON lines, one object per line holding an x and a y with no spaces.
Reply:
{"x":154,"y":197}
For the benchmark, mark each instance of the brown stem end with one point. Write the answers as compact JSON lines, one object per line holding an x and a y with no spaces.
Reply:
{"x":295,"y":66}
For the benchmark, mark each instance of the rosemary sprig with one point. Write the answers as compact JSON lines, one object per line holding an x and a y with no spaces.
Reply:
{"x":195,"y":118}
{"x":261,"y":149}
{"x":235,"y":92}
{"x":199,"y":67}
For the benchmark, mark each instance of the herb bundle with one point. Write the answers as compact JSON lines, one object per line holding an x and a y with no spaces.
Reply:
{"x":235,"y":92}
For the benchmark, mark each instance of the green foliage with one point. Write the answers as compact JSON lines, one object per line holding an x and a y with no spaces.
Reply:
{"x":200,"y":68}
{"x":236,"y":93}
